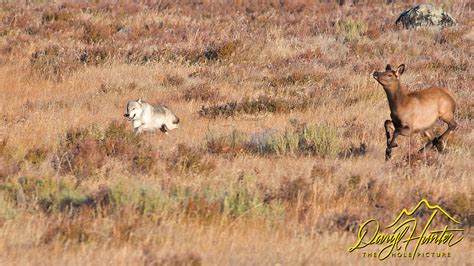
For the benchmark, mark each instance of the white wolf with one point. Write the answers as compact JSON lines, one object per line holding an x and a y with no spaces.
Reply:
{"x":146,"y":117}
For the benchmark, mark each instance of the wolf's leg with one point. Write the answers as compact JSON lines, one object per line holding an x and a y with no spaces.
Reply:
{"x":164,"y":129}
{"x":138,"y":130}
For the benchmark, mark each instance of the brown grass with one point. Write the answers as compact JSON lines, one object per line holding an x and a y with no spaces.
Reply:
{"x":279,"y":157}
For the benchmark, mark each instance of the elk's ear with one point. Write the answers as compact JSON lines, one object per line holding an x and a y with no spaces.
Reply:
{"x":388,"y":68}
{"x":139,"y":100}
{"x":400,"y":70}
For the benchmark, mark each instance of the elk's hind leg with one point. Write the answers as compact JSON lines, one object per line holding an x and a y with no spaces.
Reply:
{"x":439,"y":142}
{"x":430,"y":140}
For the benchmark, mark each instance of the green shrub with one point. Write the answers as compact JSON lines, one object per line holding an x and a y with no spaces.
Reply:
{"x":240,"y":202}
{"x":320,"y":139}
{"x":282,"y":144}
{"x":222,"y":52}
{"x":306,"y":140}
{"x":7,"y":207}
{"x":36,"y":156}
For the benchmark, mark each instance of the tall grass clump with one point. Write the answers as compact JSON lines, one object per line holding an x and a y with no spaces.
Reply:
{"x":233,"y":143}
{"x":189,"y":160}
{"x":282,"y":144}
{"x":315,"y":140}
{"x":46,"y":193}
{"x":237,"y":199}
{"x":8,"y":209}
{"x":140,"y":197}
{"x":350,"y":29}
{"x":318,"y":140}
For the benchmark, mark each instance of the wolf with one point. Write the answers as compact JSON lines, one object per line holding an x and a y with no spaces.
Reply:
{"x":146,"y":117}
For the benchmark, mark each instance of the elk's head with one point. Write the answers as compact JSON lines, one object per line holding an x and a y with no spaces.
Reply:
{"x":389,"y":77}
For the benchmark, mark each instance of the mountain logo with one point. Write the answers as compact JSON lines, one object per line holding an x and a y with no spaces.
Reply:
{"x":402,"y":237}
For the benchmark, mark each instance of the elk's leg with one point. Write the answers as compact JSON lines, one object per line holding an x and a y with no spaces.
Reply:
{"x":404,"y":131}
{"x":389,"y":126}
{"x":430,"y":141}
{"x":438,"y":142}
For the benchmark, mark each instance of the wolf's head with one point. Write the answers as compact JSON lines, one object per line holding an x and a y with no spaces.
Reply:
{"x":134,"y":109}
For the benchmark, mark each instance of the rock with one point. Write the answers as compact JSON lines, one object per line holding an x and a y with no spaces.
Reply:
{"x":425,"y":15}
{"x":123,"y":29}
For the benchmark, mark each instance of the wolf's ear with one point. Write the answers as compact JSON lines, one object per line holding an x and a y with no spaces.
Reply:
{"x":139,"y":100}
{"x":388,"y":68}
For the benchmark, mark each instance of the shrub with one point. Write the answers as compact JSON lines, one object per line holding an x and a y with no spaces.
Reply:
{"x":140,"y":197}
{"x":172,"y":80}
{"x":298,"y":78}
{"x":94,"y":33}
{"x":54,"y":62}
{"x":281,"y":144}
{"x":96,"y":55}
{"x":241,"y":201}
{"x":235,"y":200}
{"x":291,"y":190}
{"x":222,"y":52}
{"x":319,"y":172}
{"x":189,"y":160}
{"x":77,"y":230}
{"x":263,"y":104}
{"x":202,"y":207}
{"x":85,"y":150}
{"x":55,"y":195}
{"x":7,"y":207}
{"x":201,"y":92}
{"x":351,"y":29}
{"x":345,"y":221}
{"x":8,"y":166}
{"x":232,"y":143}
{"x":460,"y":205}
{"x":85,"y":157}
{"x":189,"y":258}
{"x":306,"y":140}
{"x":318,"y":140}
{"x":52,"y":16}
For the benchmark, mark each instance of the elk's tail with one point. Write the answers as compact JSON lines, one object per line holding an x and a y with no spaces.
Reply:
{"x":450,"y":93}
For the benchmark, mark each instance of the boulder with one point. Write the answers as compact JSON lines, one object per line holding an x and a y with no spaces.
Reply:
{"x":425,"y":15}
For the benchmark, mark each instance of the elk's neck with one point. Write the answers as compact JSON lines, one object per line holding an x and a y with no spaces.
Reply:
{"x":396,"y":96}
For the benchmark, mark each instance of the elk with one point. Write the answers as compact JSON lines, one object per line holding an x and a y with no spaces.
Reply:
{"x":415,"y":112}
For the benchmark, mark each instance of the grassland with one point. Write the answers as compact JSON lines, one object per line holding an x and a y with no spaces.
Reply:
{"x":280,"y":155}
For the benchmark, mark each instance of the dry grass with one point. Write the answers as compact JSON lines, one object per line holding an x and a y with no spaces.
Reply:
{"x":279,"y":157}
